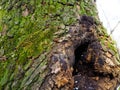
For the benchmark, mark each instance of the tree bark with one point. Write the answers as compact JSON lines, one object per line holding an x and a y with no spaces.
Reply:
{"x":55,"y":45}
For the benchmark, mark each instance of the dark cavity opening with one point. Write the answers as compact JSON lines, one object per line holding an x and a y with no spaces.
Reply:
{"x":85,"y":75}
{"x":80,"y":53}
{"x":82,"y":66}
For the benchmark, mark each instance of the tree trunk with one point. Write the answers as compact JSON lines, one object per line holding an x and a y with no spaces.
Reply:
{"x":55,"y":45}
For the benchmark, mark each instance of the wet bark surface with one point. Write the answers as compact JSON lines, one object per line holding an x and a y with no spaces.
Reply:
{"x":78,"y":61}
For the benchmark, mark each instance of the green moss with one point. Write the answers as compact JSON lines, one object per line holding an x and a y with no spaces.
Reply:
{"x":87,"y":7}
{"x":2,"y":13}
{"x":28,"y":34}
{"x":29,"y":28}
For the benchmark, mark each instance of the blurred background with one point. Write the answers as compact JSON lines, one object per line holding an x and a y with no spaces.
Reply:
{"x":109,"y":13}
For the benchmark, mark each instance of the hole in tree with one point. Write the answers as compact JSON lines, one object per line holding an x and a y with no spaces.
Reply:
{"x":84,"y":73}
{"x":83,"y":67}
{"x":80,"y":53}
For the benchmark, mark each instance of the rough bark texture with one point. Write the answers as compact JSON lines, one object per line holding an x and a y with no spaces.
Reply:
{"x":78,"y":61}
{"x":55,"y":45}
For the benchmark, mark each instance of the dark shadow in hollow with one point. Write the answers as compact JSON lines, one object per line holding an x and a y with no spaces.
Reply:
{"x":79,"y":52}
{"x":83,"y":67}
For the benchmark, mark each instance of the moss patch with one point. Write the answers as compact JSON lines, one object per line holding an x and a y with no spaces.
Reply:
{"x":27,"y":30}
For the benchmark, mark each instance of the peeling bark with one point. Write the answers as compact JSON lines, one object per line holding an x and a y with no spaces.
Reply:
{"x":78,"y":61}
